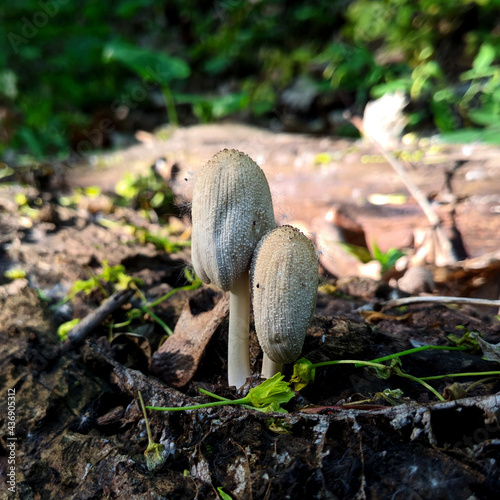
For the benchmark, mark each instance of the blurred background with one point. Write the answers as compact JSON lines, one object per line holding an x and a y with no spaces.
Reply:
{"x":82,"y":75}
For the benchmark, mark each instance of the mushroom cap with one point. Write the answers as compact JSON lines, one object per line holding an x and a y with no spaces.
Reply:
{"x":232,"y":209}
{"x":284,"y":278}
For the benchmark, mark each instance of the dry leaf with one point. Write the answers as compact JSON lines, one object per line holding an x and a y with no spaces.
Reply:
{"x":491,"y":352}
{"x":374,"y":317}
{"x":179,"y":356}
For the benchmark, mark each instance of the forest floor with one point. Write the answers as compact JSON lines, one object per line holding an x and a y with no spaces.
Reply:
{"x":353,"y":433}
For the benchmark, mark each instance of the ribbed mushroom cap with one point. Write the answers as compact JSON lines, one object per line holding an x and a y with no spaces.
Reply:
{"x":232,"y":209}
{"x":284,"y":278}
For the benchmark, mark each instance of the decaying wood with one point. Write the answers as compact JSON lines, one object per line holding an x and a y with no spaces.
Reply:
{"x":130,"y":381}
{"x":417,"y":417}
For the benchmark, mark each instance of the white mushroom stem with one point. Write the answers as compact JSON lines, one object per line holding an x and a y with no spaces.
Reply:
{"x":238,"y":343}
{"x":269,"y":367}
{"x":232,"y":209}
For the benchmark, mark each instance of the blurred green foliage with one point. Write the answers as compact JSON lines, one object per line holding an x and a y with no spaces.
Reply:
{"x":61,"y":61}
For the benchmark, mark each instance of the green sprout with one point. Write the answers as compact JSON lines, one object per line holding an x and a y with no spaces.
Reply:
{"x":392,"y":396}
{"x":278,"y":426}
{"x":114,"y":275}
{"x":64,"y":329}
{"x":463,"y":374}
{"x":14,"y":274}
{"x":145,"y":192}
{"x":304,"y":372}
{"x":223,"y":494}
{"x":146,"y":308}
{"x":120,"y":280}
{"x":468,"y":340}
{"x":23,"y":204}
{"x":72,"y":201}
{"x":386,"y":259}
{"x":154,"y":452}
{"x":142,"y":235}
{"x":266,"y":397}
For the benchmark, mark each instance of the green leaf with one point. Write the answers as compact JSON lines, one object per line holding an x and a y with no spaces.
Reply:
{"x":126,"y":187}
{"x":85,"y":286}
{"x":484,"y":58}
{"x":30,"y":139}
{"x":265,"y":397}
{"x":15,"y":274}
{"x":468,"y":339}
{"x":152,"y":66}
{"x":92,"y":191}
{"x":273,"y":390}
{"x":129,"y":8}
{"x":223,"y":494}
{"x":402,"y":84}
{"x":387,"y":259}
{"x":388,"y":371}
{"x":5,"y":171}
{"x":361,"y":253}
{"x":273,"y":407}
{"x":279,"y":426}
{"x":229,"y":104}
{"x":491,"y":352}
{"x":112,"y":274}
{"x":154,"y":455}
{"x":64,"y":329}
{"x":154,"y":452}
{"x":484,"y":117}
{"x":303,"y":374}
{"x":488,"y":136}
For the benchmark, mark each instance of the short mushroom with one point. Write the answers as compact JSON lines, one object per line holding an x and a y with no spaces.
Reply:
{"x":231,"y":211}
{"x":284,"y":278}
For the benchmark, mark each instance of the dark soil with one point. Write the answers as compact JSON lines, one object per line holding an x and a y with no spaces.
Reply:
{"x":80,"y":433}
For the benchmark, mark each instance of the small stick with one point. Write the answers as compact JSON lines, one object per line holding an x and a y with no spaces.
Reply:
{"x":441,"y":300}
{"x":78,"y":333}
{"x":414,"y":190}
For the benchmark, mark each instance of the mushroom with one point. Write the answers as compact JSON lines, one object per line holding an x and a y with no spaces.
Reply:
{"x":284,"y":278}
{"x":231,"y":211}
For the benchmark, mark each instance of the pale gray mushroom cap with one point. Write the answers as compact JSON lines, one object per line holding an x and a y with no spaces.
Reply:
{"x":232,"y":209}
{"x":284,"y":278}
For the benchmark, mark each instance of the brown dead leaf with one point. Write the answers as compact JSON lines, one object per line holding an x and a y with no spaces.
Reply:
{"x":374,"y":317}
{"x":477,"y":277}
{"x":179,"y":356}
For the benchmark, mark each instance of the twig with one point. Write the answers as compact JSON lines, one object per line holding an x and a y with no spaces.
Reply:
{"x":441,"y":300}
{"x":78,"y":334}
{"x":414,"y":190}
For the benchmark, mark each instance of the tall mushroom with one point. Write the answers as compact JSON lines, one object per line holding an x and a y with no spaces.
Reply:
{"x":231,"y":211}
{"x":284,"y":278}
